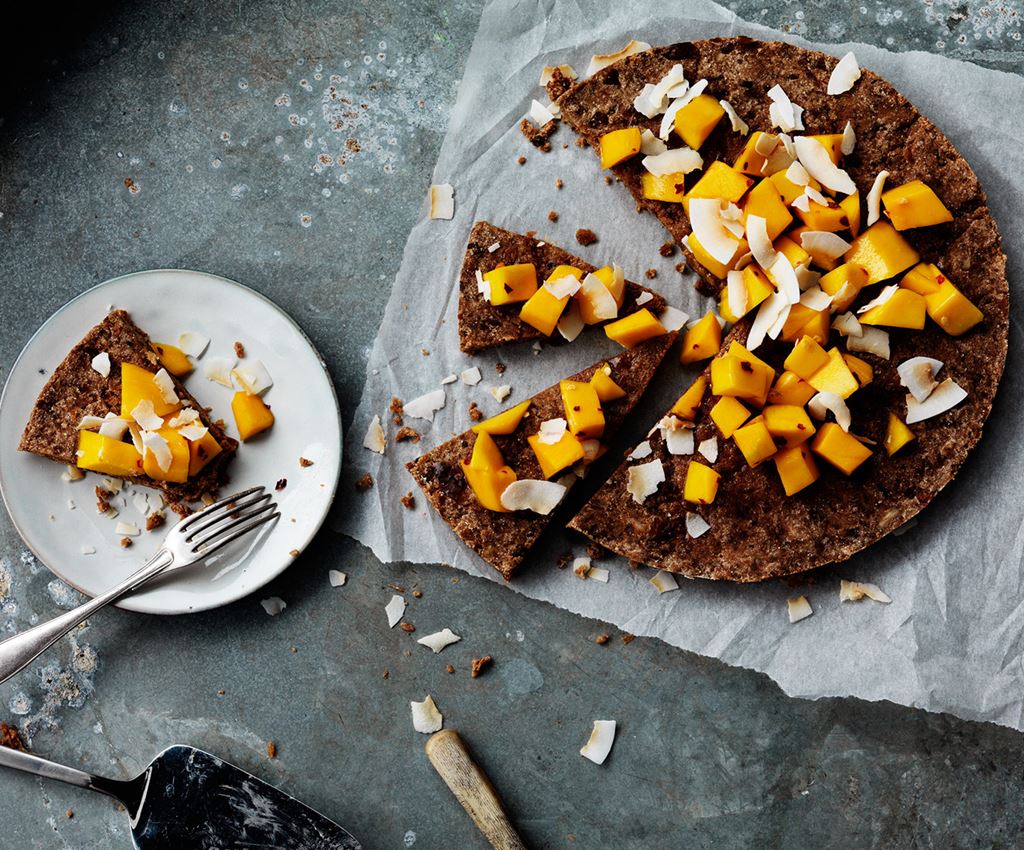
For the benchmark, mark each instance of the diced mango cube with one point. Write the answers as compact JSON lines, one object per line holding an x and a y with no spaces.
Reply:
{"x":702,"y":340}
{"x":511,"y":284}
{"x":800,"y":316}
{"x":619,"y":145}
{"x":543,"y":310}
{"x":766,"y":372}
{"x":897,"y":434}
{"x":695,"y":121}
{"x":796,"y":468}
{"x":844,"y":283}
{"x":924,"y":279}
{"x":951,"y":310}
{"x":765,"y":201}
{"x":904,"y":309}
{"x":486,"y":454}
{"x":582,"y":409}
{"x":914,"y":204}
{"x":819,"y":217}
{"x":664,"y":187}
{"x":686,"y":406}
{"x":488,"y":484}
{"x":844,"y":451}
{"x":554,"y":457}
{"x":833,"y":143}
{"x":137,"y":384}
{"x":790,"y":388}
{"x":835,"y":376}
{"x":851,"y":206}
{"x":788,"y":424}
{"x":758,"y":287}
{"x":818,"y":258}
{"x":173,"y":359}
{"x":755,"y":441}
{"x":505,"y":422}
{"x":729,"y":414}
{"x":616,"y":286}
{"x":635,"y":328}
{"x":862,"y":370}
{"x":881,"y":252}
{"x":818,"y":326}
{"x":606,"y":388}
{"x":563,"y":270}
{"x":789,"y":190}
{"x":719,"y":181}
{"x":252,"y":416}
{"x":806,"y":358}
{"x":710,"y":263}
{"x":100,"y":453}
{"x":701,"y":485}
{"x":731,"y":376}
{"x":177,"y":470}
{"x":750,"y":161}
{"x":201,"y":452}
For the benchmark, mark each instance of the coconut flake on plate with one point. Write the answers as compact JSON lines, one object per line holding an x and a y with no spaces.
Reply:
{"x":442,"y":201}
{"x":822,"y":242}
{"x":426,"y":405}
{"x":165,"y":387}
{"x":696,"y":525}
{"x":218,"y":370}
{"x":875,"y":197}
{"x":439,"y":640}
{"x":603,"y":60}
{"x":918,"y":375}
{"x":502,"y":392}
{"x":872,"y":341}
{"x":101,"y":363}
{"x":784,"y":114}
{"x":641,"y":451}
{"x":193,"y":343}
{"x":797,"y":174}
{"x":853,"y":591}
{"x":570,"y":324}
{"x":375,"y":440}
{"x":548,"y":72}
{"x":551,"y":431}
{"x":844,"y":75}
{"x":815,"y":298}
{"x":651,"y":145}
{"x":252,"y":376}
{"x":706,"y":221}
{"x":527,"y":494}
{"x":145,"y":415}
{"x":785,"y":276}
{"x":336,"y":577}
{"x":760,"y":244}
{"x":644,"y":297}
{"x":821,"y":403}
{"x":738,"y":124}
{"x":664,"y":582}
{"x":126,"y":529}
{"x":472,"y":376}
{"x":449,"y":379}
{"x":847,"y":325}
{"x":672,"y":319}
{"x":644,"y":480}
{"x":599,"y":744}
{"x":395,"y":609}
{"x":274,"y":605}
{"x":72,"y":473}
{"x":709,"y":449}
{"x":673,"y":161}
{"x":799,"y":609}
{"x":602,"y":302}
{"x":92,"y":423}
{"x":540,"y":114}
{"x":819,"y":165}
{"x":653,"y":98}
{"x":849,"y":141}
{"x":598,"y":574}
{"x":565,"y":287}
{"x":425,"y":716}
{"x":945,"y":396}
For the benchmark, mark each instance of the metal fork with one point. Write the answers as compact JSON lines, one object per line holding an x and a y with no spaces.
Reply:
{"x":192,"y":540}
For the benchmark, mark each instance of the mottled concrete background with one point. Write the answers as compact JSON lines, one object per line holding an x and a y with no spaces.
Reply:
{"x":289,"y":145}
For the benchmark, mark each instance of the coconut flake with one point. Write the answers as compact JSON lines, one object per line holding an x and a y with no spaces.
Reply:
{"x":849,"y":141}
{"x":672,"y":319}
{"x":185,"y":416}
{"x":548,"y":72}
{"x":273,"y":605}
{"x":158,"y":446}
{"x":425,"y":716}
{"x":449,"y":379}
{"x":644,"y":480}
{"x":945,"y":396}
{"x":527,"y":494}
{"x":439,"y":640}
{"x":784,"y":114}
{"x":872,"y":341}
{"x":651,"y":145}
{"x":482,"y":286}
{"x":599,"y":744}
{"x":853,"y":591}
{"x":500,"y":393}
{"x":738,"y":124}
{"x":565,"y":287}
{"x":819,"y":165}
{"x":875,"y":197}
{"x":736,"y":292}
{"x":375,"y":440}
{"x":785,"y":276}
{"x":664,"y":582}
{"x":598,"y":574}
{"x":539,"y":114}
{"x":883,"y":296}
{"x":706,"y":221}
{"x":709,"y":449}
{"x":799,"y":609}
{"x":165,"y":386}
{"x":772,"y":310}
{"x":602,"y":302}
{"x":252,"y":376}
{"x":814,"y":298}
{"x":144,"y":414}
{"x":72,"y":473}
{"x":760,"y":243}
{"x":797,"y":174}
{"x":603,"y":60}
{"x":581,"y":566}
{"x":570,"y":324}
{"x":472,"y":376}
{"x":395,"y":609}
{"x":494,"y":246}
{"x":551,"y":431}
{"x":426,"y":405}
{"x":101,"y":363}
{"x":847,"y":325}
{"x":652,"y":99}
{"x":126,"y":529}
{"x":442,"y":201}
{"x":678,"y":435}
{"x":826,"y":244}
{"x":136,"y":435}
{"x":673,"y":161}
{"x":193,"y":343}
{"x":844,"y":75}
{"x":336,"y":577}
{"x":918,"y":375}
{"x":90,"y":423}
{"x":668,"y":119}
{"x":823,"y":402}
{"x":218,"y":370}
{"x":696,"y":525}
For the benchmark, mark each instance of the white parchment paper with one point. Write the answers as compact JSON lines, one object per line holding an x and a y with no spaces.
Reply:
{"x":951,"y":639}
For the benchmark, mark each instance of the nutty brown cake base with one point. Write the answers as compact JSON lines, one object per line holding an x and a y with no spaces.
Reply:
{"x":503,"y":539}
{"x":75,"y":390}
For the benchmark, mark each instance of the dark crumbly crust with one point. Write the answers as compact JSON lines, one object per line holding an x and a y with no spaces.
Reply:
{"x":482,"y":326}
{"x":503,"y":539}
{"x":756,"y":531}
{"x":75,"y":390}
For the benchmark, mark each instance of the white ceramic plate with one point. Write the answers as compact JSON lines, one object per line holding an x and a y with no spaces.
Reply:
{"x":307,"y":424}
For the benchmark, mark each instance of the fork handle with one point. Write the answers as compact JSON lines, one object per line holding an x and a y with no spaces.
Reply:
{"x":19,"y":651}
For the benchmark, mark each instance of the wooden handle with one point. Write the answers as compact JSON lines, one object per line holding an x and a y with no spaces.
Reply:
{"x":472,"y":789}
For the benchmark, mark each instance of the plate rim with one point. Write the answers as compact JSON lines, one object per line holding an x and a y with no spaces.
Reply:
{"x":125,"y":604}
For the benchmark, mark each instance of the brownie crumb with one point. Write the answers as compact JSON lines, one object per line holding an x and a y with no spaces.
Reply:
{"x":475,"y":413}
{"x":221,"y":692}
{"x":425,"y":352}
{"x":500,"y":368}
{"x":126,"y":542}
{"x":565,"y":559}
{"x":586,"y":237}
{"x":407,"y":627}
{"x":595,"y":551}
{"x":681,"y":268}
{"x":538,"y":136}
{"x":69,"y":814}
{"x":558,"y":85}
{"x":281,"y":484}
{"x":608,"y":180}
{"x":10,"y":737}
{"x":634,"y":565}
{"x":305,"y":462}
{"x":294,"y":553}
{"x":103,"y":500}
{"x":271,"y":750}
{"x":651,"y":274}
{"x":581,"y":142}
{"x":552,"y":216}
{"x":239,"y":350}
{"x":407,"y":433}
{"x":668,"y":249}
{"x":531,"y":234}
{"x":601,"y":640}
{"x":396,"y":410}
{"x":386,"y":674}
{"x":418,"y":594}
{"x":521,"y":160}
{"x":450,"y":669}
{"x":364,"y":483}
{"x":479,"y":665}
{"x":558,"y":183}
{"x":408,"y":501}
{"x":628,"y":638}
{"x":155,"y":520}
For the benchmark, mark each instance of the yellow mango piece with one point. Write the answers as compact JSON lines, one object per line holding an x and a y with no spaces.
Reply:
{"x":488,"y":484}
{"x":818,"y":217}
{"x":833,"y":143}
{"x":729,"y":414}
{"x":634,"y":328}
{"x":486,"y":454}
{"x":818,"y":326}
{"x":758,"y":287}
{"x":897,"y":435}
{"x":914,"y":204}
{"x":582,"y":409}
{"x":844,"y":451}
{"x":719,"y":181}
{"x":252,"y":416}
{"x":137,"y":384}
{"x":710,"y":263}
{"x":796,"y":468}
{"x":562,"y":270}
{"x":806,"y":358}
{"x":799,"y":317}
{"x":789,"y":190}
{"x":702,"y":340}
{"x":201,"y":452}
{"x":606,"y":274}
{"x":666,"y":187}
{"x":604,"y":386}
{"x":100,"y":453}
{"x":686,"y":406}
{"x":951,"y":310}
{"x":750,"y":161}
{"x":619,"y":145}
{"x":851,"y":206}
{"x":177,"y":472}
{"x":852,"y":277}
{"x":554,"y":457}
{"x":835,"y":377}
{"x":819,"y":259}
{"x":862,"y":370}
{"x":764,"y":200}
{"x":543,"y":310}
{"x":904,"y":309}
{"x":755,"y":442}
{"x":731,"y":376}
{"x":505,"y":422}
{"x":790,"y":388}
{"x":511,"y":284}
{"x":701,"y":485}
{"x":924,"y":279}
{"x":793,"y":252}
{"x":881,"y":252}
{"x":766,"y":372}
{"x":173,"y":359}
{"x":695,"y":121}
{"x":788,"y":424}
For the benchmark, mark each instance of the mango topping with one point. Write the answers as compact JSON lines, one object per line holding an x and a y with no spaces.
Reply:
{"x":138,"y":384}
{"x":505,"y":422}
{"x":106,"y":455}
{"x":695,"y":121}
{"x":844,"y":284}
{"x":663,"y":187}
{"x":788,"y":424}
{"x":554,"y":457}
{"x":582,"y":409}
{"x":177,"y":471}
{"x":635,"y":328}
{"x":701,"y":485}
{"x":511,"y":284}
{"x":844,"y":451}
{"x":543,"y":310}
{"x":606,"y":388}
{"x":751,"y":161}
{"x":881,"y":252}
{"x":790,"y":388}
{"x":173,"y":359}
{"x":796,"y":468}
{"x":835,"y":376}
{"x":903,"y":309}
{"x":758,"y":288}
{"x":806,"y":358}
{"x":702,"y":340}
{"x":252,"y":416}
{"x":729,"y":414}
{"x":924,"y":279}
{"x":619,"y":145}
{"x":755,"y":441}
{"x":201,"y":452}
{"x":720,"y":181}
{"x":897,"y":435}
{"x":686,"y":406}
{"x":765,"y":201}
{"x":487,"y":474}
{"x":914,"y":204}
{"x":951,"y":310}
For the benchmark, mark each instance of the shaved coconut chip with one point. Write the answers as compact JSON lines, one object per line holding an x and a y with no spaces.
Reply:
{"x":439,"y":640}
{"x":677,"y":434}
{"x":760,"y":243}
{"x":875,"y":197}
{"x":736,"y":291}
{"x":945,"y":396}
{"x":145,"y":415}
{"x":766,"y":144}
{"x":72,"y":473}
{"x":672,"y":319}
{"x":652,"y":100}
{"x":883,"y":296}
{"x":787,"y":143}
{"x":802,"y":202}
{"x":442,"y":201}
{"x":449,"y":379}
{"x":771,"y":311}
{"x":821,"y":242}
{"x":193,"y":432}
{"x":395,"y":609}
{"x":807,"y":279}
{"x":165,"y":386}
{"x":564,"y":287}
{"x":709,"y":448}
{"x":101,"y":364}
{"x":738,"y":124}
{"x":548,"y":71}
{"x":114,"y":485}
{"x":844,"y":75}
{"x":472,"y":376}
{"x":674,"y":161}
{"x":819,"y":165}
{"x":918,"y":375}
{"x":113,"y":426}
{"x":482,"y":286}
{"x":780,"y":322}
{"x":374,"y":439}
{"x":603,"y":60}
{"x":253,"y":376}
{"x":136,"y":435}
{"x":540,"y":114}
{"x":644,"y":480}
{"x":157,"y":446}
{"x":571,"y":322}
{"x":527,"y":494}
{"x":218,"y":369}
{"x":88,"y":550}
{"x":426,"y":405}
{"x":734,"y":226}
{"x":551,"y":431}
{"x":696,"y":525}
{"x":598,"y":574}
{"x":784,"y":114}
{"x":706,"y":221}
{"x":602,"y":736}
{"x":494,"y":246}
{"x":602,"y":302}
{"x":425,"y":716}
{"x":852,"y":591}
{"x":799,"y":609}
{"x":816,"y":196}
{"x":336,"y":577}
{"x":651,"y":145}
{"x":814,"y":298}
{"x":872,"y":340}
{"x":502,"y":392}
{"x":823,"y":402}
{"x":193,"y":343}
{"x":126,"y":529}
{"x":797,"y":174}
{"x":847,"y":292}
{"x":664,"y":582}
{"x":581,"y":566}
{"x":785,"y":276}
{"x":641,"y":451}
{"x":668,"y":120}
{"x":92,"y":423}
{"x":185,"y":416}
{"x":847,"y":325}
{"x":141,"y":503}
{"x":274,"y":605}
{"x":778,"y":160}
{"x":849,"y":141}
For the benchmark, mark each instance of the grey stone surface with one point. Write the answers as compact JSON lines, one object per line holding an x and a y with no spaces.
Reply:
{"x":185,"y":103}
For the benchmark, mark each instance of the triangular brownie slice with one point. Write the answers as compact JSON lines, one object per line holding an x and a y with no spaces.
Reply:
{"x":77,"y":390}
{"x":503,"y":539}
{"x":484,"y":325}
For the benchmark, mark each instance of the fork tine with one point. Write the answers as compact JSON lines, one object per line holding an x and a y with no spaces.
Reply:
{"x":209,"y":550}
{"x":216,"y":507}
{"x":232,"y":511}
{"x":197,"y":541}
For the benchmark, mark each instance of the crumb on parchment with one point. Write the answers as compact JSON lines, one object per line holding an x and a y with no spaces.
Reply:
{"x":479,"y":665}
{"x":585,"y":236}
{"x":364,"y":483}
